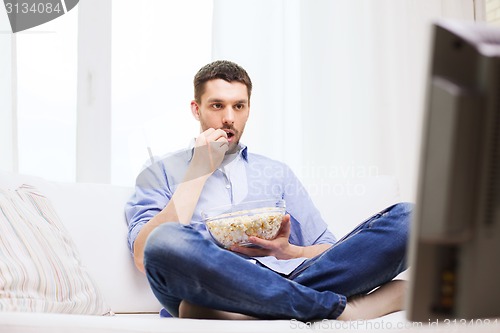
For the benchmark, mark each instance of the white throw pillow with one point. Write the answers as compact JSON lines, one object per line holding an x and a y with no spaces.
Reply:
{"x":40,"y":269}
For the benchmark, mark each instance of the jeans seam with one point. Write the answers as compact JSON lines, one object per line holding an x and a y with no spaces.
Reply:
{"x":340,"y":308}
{"x":312,"y":261}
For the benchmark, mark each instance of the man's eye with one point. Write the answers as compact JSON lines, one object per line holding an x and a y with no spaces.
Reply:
{"x":217,"y":106}
{"x":239,"y":106}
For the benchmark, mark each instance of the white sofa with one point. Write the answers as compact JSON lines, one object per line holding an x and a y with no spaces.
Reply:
{"x":93,"y":214}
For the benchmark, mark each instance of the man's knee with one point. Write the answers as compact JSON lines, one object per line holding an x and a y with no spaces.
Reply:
{"x":164,"y":243}
{"x":401,"y":215}
{"x":404,"y":208}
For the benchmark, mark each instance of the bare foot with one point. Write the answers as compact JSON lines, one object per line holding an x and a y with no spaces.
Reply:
{"x":384,"y":300}
{"x":188,"y":310}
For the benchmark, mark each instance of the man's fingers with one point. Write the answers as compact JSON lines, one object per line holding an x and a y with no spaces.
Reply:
{"x":285,"y":224}
{"x":212,"y":135}
{"x":249,"y":251}
{"x":216,"y":135}
{"x":211,"y":146}
{"x":208,"y":132}
{"x":202,"y":140}
{"x":222,"y":144}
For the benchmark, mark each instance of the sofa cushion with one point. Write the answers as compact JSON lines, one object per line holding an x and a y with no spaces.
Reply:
{"x":94,"y":216}
{"x":40,"y":269}
{"x":344,"y":202}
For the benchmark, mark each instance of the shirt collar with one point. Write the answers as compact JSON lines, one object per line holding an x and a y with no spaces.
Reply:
{"x":242,"y":151}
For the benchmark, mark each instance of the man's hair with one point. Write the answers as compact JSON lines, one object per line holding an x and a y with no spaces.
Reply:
{"x":220,"y":69}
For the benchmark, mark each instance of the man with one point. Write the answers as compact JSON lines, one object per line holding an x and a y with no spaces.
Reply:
{"x":304,"y":273}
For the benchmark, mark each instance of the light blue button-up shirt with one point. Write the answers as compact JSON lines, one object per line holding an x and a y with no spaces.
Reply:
{"x":251,"y":177}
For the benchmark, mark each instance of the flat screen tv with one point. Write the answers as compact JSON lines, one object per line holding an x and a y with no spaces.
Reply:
{"x":454,"y":248}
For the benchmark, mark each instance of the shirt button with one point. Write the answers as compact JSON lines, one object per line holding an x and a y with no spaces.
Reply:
{"x":228,"y":186}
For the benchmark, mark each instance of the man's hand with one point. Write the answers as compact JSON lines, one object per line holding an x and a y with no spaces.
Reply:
{"x":210,"y":148}
{"x":278,"y":247}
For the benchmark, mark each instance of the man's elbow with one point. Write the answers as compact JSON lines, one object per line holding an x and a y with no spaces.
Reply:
{"x":139,"y":256}
{"x":139,"y":263}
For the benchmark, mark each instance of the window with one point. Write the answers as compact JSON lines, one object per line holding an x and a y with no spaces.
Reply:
{"x":153,"y":64}
{"x":7,"y":134}
{"x":46,"y":98}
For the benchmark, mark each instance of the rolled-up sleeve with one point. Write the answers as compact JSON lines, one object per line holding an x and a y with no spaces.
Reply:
{"x":152,"y":194}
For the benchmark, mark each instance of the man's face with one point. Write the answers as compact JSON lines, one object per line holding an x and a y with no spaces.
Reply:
{"x":223,"y":105}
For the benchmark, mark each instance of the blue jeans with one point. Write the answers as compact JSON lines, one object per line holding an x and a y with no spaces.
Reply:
{"x":182,"y":265}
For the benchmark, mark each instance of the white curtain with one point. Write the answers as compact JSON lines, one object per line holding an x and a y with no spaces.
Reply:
{"x":339,"y":85}
{"x":264,"y":37}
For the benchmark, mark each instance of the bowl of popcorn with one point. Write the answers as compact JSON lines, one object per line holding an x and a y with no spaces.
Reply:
{"x":234,"y":224}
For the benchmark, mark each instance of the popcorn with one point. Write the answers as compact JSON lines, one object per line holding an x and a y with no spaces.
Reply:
{"x":235,"y":228}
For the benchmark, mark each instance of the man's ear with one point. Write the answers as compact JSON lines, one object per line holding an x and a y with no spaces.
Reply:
{"x":195,"y":110}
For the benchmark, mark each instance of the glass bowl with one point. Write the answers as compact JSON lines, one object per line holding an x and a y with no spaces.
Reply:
{"x":233,"y":224}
